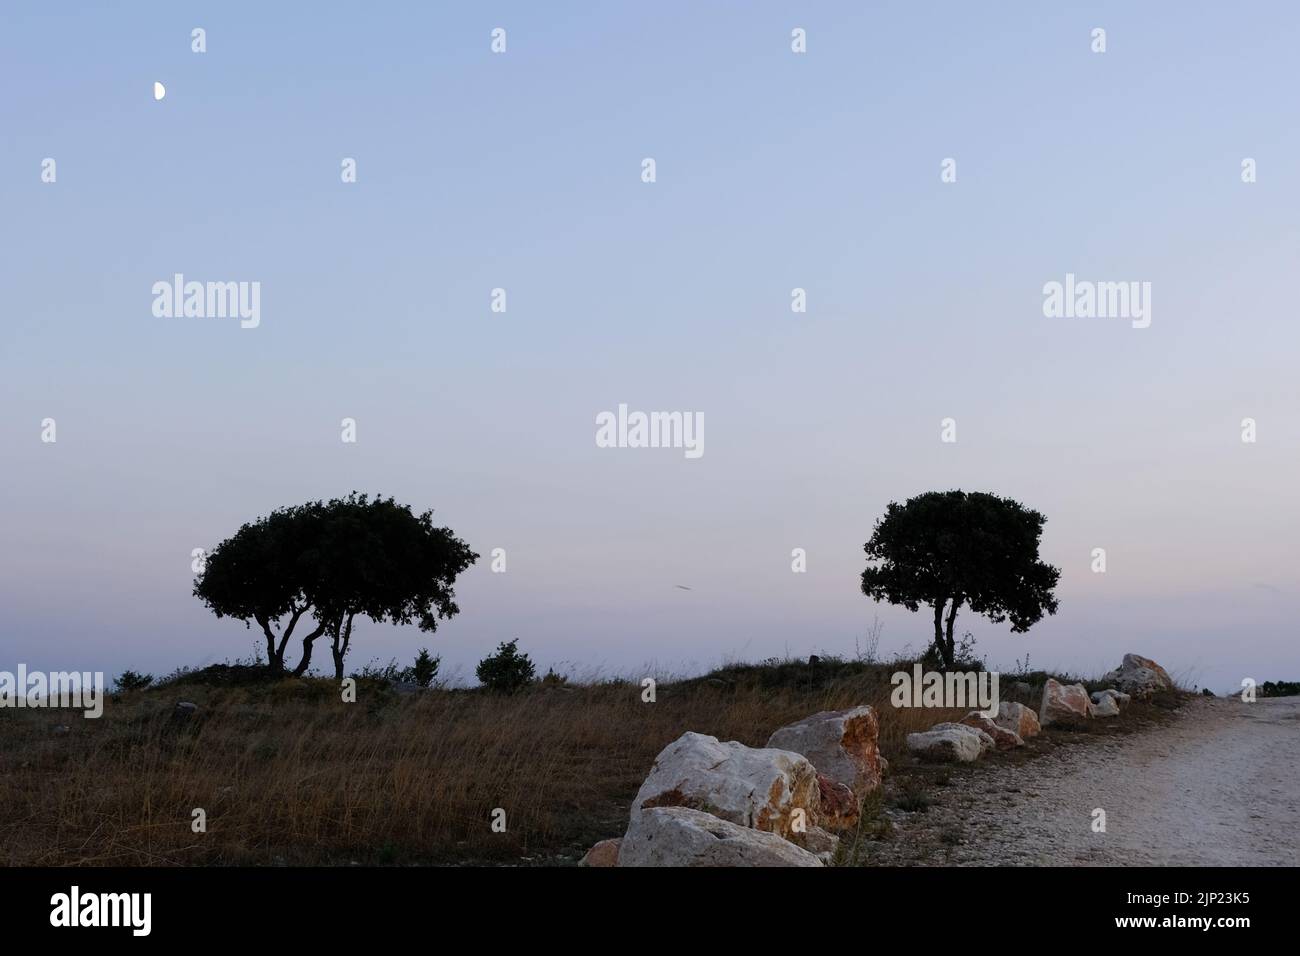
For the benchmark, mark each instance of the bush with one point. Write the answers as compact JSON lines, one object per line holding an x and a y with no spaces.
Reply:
{"x":244,"y":672}
{"x":552,"y":679}
{"x":388,"y":673}
{"x":130,"y":680}
{"x":507,"y":670}
{"x":425,"y":668}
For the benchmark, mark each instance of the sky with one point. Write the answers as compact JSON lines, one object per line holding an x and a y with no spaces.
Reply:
{"x":774,"y":170}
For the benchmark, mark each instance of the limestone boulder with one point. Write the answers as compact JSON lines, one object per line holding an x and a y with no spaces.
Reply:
{"x":604,"y":853}
{"x":820,"y":843}
{"x":839,"y":807}
{"x":1105,"y":706}
{"x":842,"y":744}
{"x":1003,"y":738}
{"x":1140,"y":677}
{"x":763,"y":788}
{"x":1121,"y":699}
{"x":1018,"y":719}
{"x":986,"y":741}
{"x":1064,"y":704}
{"x":949,"y":743}
{"x":681,"y":836}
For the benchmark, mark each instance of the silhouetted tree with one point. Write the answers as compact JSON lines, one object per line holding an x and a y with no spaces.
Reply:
{"x":334,"y":561}
{"x":268,"y":570}
{"x":949,"y":548}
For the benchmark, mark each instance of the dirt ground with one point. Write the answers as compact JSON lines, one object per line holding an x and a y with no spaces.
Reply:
{"x":1216,"y":784}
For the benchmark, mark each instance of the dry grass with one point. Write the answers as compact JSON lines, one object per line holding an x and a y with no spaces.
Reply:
{"x":287,"y":773}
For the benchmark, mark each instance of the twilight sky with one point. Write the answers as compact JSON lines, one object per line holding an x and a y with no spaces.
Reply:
{"x":775,"y":170}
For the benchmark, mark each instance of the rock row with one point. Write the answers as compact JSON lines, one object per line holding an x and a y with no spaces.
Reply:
{"x":708,"y":802}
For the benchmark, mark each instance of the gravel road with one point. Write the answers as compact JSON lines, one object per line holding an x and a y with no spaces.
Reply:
{"x":1219,"y":784}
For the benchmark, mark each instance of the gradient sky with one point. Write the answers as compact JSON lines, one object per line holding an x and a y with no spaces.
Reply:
{"x":775,"y":171}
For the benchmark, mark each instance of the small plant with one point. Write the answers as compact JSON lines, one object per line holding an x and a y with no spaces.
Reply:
{"x":507,"y":670}
{"x":1022,"y":667}
{"x":552,"y":679}
{"x":873,"y":824}
{"x":964,"y":653}
{"x":868,"y":646}
{"x":128,"y":681}
{"x":913,"y":798}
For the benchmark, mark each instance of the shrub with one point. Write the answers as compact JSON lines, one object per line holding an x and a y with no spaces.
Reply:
{"x":388,"y":673}
{"x":130,"y":680}
{"x":507,"y":670}
{"x":425,"y":668}
{"x":913,"y":798}
{"x":242,"y":673}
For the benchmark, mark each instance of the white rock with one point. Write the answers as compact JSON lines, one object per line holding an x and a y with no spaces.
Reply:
{"x":1121,"y":699}
{"x":987,"y":742}
{"x":949,"y":742}
{"x":680,"y":836}
{"x":1004,"y":738}
{"x":761,"y":788}
{"x":1105,"y":706}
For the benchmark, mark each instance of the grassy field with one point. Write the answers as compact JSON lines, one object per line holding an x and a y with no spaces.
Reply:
{"x":289,"y":774}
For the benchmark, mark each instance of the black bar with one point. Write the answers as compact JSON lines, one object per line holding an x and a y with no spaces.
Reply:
{"x":238,"y":905}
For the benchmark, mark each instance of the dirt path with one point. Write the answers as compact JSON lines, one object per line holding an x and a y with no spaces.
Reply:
{"x":1217,"y":785}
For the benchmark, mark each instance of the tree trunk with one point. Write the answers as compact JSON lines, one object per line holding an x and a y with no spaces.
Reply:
{"x":306,"y":650}
{"x":950,"y":654}
{"x":341,"y":649}
{"x":284,"y":638}
{"x":274,"y":660}
{"x":938,"y":629}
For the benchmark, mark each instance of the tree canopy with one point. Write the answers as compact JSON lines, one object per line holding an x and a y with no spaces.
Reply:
{"x":949,"y":548}
{"x":331,"y":562}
